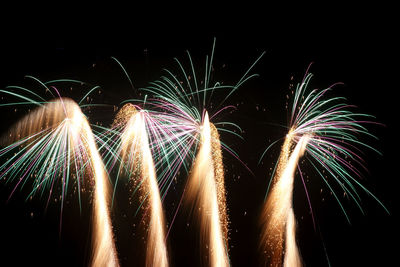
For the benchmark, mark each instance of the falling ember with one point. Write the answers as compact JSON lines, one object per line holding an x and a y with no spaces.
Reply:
{"x":136,"y":152}
{"x":57,"y":139}
{"x":278,"y":218}
{"x":206,"y":190}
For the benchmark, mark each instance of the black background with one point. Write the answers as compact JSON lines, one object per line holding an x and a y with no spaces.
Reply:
{"x":355,"y":46}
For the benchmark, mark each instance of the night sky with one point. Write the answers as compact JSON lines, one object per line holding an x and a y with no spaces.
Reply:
{"x":352,"y":46}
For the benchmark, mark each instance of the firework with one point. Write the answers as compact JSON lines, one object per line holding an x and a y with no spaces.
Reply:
{"x":326,"y":131}
{"x":278,"y":216}
{"x":192,"y":142}
{"x":133,"y":148}
{"x":56,"y":141}
{"x":206,"y":189}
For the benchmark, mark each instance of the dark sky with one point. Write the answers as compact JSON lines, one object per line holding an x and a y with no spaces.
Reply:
{"x":353,"y":46}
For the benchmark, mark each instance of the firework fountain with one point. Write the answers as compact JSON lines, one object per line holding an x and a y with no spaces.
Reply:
{"x":56,"y":141}
{"x":206,"y":188}
{"x":278,"y":216}
{"x":137,"y":157}
{"x":194,"y":143}
{"x":326,"y":131}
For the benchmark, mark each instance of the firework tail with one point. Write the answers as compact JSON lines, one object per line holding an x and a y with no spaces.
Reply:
{"x":292,"y":255}
{"x":137,"y":154}
{"x":278,"y":219}
{"x":103,"y":247}
{"x":104,"y":251}
{"x":183,"y":98}
{"x":205,"y":192}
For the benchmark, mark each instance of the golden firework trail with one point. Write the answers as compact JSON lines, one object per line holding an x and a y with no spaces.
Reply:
{"x":136,"y":155}
{"x":277,"y":216}
{"x":206,"y":192}
{"x":104,"y":251}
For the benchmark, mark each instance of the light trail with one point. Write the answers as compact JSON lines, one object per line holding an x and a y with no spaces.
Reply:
{"x":136,"y":154}
{"x":277,"y":216}
{"x":205,"y":190}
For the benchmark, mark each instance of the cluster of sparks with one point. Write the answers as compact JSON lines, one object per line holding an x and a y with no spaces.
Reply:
{"x":172,"y":131}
